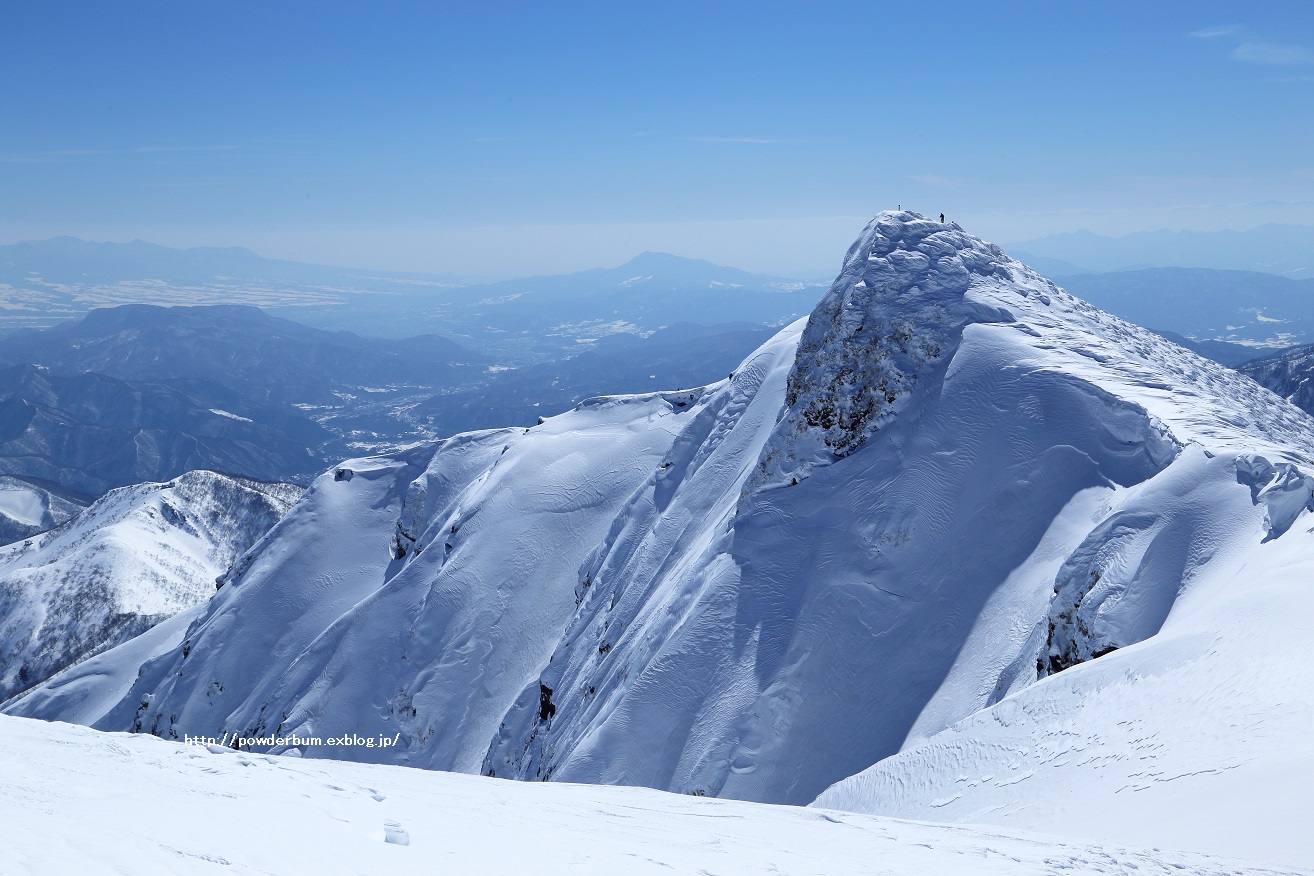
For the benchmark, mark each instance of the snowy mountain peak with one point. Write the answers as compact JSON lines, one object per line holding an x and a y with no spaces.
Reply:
{"x":989,"y":492}
{"x":893,"y":316}
{"x":884,"y":335}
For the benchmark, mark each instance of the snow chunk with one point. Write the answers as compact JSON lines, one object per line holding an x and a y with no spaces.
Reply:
{"x":230,"y":415}
{"x":1282,"y":489}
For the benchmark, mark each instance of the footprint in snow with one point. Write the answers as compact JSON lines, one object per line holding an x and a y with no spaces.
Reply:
{"x":395,"y":834}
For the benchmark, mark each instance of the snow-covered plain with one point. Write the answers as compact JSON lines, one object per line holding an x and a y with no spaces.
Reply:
{"x":958,"y":525}
{"x":78,"y":801}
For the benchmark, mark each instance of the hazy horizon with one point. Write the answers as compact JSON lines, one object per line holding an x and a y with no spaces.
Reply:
{"x":624,"y":259}
{"x":525,"y":140}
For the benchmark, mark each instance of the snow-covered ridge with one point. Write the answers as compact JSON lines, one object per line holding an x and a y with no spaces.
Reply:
{"x":894,"y":318}
{"x":955,"y":488}
{"x":137,"y":556}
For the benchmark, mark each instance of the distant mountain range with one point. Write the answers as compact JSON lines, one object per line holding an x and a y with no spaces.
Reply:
{"x":264,"y":357}
{"x":71,"y":261}
{"x":1243,"y":307}
{"x":1287,"y":250}
{"x":543,"y":315}
{"x":1238,"y":287}
{"x":88,"y":433}
{"x":48,"y":281}
{"x":525,"y":320}
{"x":145,"y":393}
{"x":683,"y":355}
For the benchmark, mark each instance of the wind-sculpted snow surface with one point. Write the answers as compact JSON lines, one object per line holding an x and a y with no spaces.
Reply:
{"x":136,"y":557}
{"x":953,"y":481}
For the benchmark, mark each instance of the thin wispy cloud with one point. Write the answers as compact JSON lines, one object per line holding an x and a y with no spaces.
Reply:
{"x":1257,"y":52}
{"x":756,"y":140}
{"x":182,"y":183}
{"x":147,"y":149}
{"x":1249,"y":49}
{"x":1210,"y":33}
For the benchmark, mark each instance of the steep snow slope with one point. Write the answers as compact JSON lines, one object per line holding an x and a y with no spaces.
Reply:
{"x":135,"y":557}
{"x":87,"y":690}
{"x":78,"y":801}
{"x":437,"y":580}
{"x":954,"y":480}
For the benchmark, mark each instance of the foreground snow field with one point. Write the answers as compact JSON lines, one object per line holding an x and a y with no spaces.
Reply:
{"x":79,"y":801}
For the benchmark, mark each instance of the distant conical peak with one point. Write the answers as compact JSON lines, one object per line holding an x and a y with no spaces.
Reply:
{"x":657,"y":260}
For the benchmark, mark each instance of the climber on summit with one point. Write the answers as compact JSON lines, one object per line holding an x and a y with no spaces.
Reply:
{"x":941,"y":218}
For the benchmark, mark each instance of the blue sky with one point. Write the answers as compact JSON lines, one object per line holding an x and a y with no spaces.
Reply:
{"x":535,"y":137}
